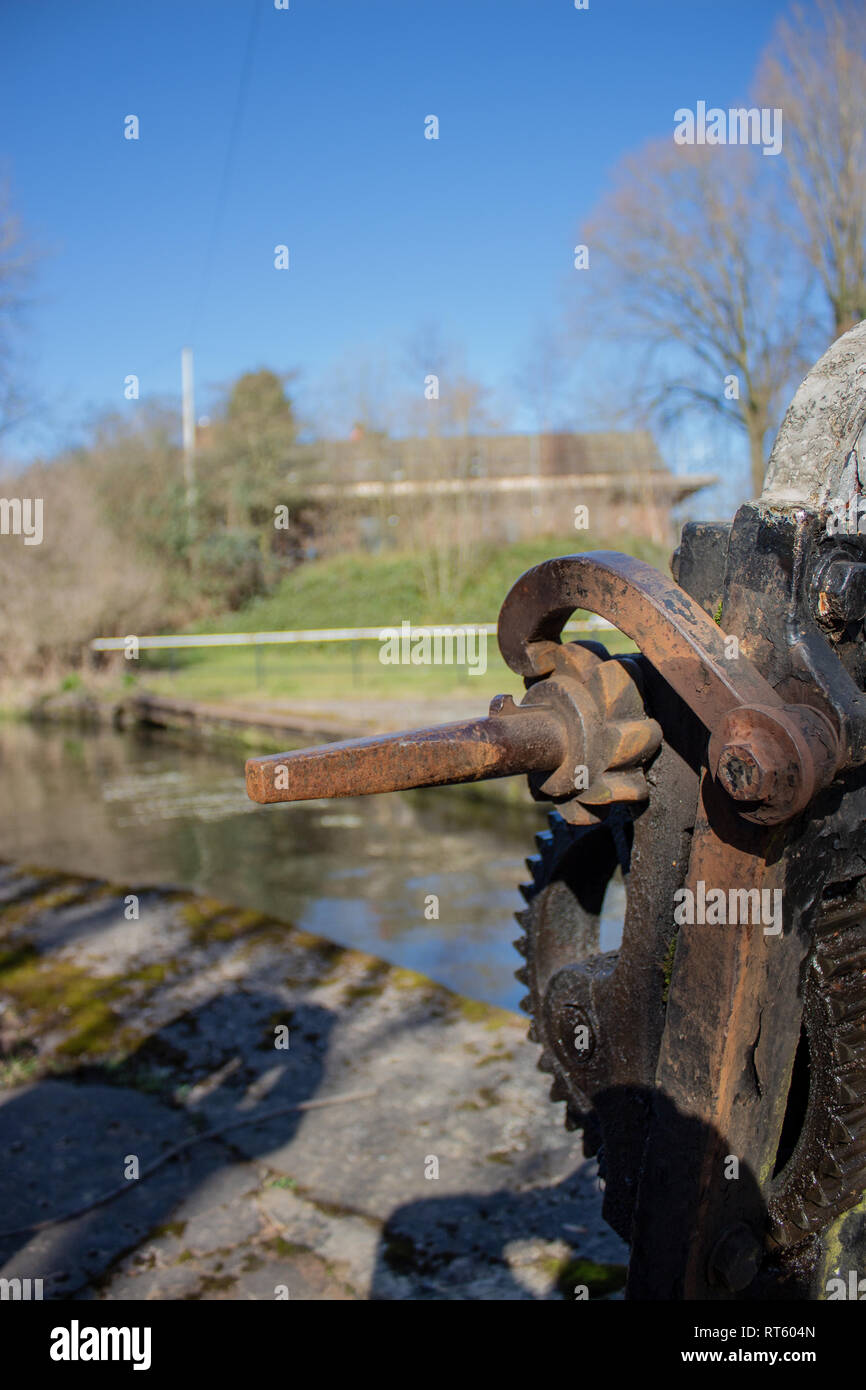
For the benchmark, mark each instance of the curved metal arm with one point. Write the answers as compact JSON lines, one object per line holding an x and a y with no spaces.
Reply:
{"x":763,"y":750}
{"x":672,"y":631}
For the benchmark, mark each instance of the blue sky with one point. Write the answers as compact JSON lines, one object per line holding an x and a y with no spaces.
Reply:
{"x":168,"y":240}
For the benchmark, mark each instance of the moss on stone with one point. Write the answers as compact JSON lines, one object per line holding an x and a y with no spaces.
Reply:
{"x":503,"y":1056}
{"x":371,"y":984}
{"x":214,"y":1283}
{"x":287,"y":1248}
{"x":408,"y":979}
{"x":55,"y":994}
{"x":154,"y":974}
{"x":96,"y":1034}
{"x":168,"y":1228}
{"x":600,"y":1280}
{"x":476,"y":1011}
{"x":48,"y":899}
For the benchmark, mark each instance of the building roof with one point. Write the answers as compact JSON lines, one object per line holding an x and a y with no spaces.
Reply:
{"x":376,"y":465}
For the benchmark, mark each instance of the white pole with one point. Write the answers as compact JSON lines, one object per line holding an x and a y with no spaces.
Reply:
{"x":188,"y":435}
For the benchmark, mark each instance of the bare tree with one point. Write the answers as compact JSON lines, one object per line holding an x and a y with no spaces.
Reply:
{"x":16,"y":265}
{"x":448,"y":409}
{"x":84,"y":579}
{"x":686,"y":259}
{"x":815,"y":70}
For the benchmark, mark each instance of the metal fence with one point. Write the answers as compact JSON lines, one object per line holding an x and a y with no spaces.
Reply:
{"x":325,"y":634}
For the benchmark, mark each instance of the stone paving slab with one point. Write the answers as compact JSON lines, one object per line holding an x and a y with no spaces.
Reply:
{"x":123,"y":1037}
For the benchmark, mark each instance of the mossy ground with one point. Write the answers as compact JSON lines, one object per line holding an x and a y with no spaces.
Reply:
{"x":64,"y":1018}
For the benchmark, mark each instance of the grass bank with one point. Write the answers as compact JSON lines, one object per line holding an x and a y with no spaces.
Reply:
{"x":361,"y":590}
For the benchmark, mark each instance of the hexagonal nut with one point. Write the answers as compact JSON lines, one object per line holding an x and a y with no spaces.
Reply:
{"x":747,"y":771}
{"x":842,"y":593}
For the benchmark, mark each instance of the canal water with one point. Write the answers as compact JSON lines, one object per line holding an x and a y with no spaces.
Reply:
{"x":146,"y":808}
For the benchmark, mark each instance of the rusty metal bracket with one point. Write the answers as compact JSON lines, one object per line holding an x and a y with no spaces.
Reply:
{"x":771,"y":757}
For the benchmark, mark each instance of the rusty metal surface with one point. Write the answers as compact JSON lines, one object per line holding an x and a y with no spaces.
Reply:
{"x":466,"y":751}
{"x":723,"y":1071}
{"x":618,"y":996}
{"x":749,"y":721}
{"x":672,"y":631}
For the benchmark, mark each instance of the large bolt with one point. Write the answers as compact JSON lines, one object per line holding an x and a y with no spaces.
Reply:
{"x":841,"y":593}
{"x":747,"y":772}
{"x":772,"y":760}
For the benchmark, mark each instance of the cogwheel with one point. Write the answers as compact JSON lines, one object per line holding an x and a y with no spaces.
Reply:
{"x":599,"y":699}
{"x":562,"y":925}
{"x":820,"y":1170}
{"x":821,"y":1166}
{"x":588,"y":841}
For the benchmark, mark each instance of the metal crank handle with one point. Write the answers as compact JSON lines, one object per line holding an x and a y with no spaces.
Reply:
{"x":509,"y":740}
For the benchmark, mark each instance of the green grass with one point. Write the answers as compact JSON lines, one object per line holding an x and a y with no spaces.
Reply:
{"x":363,"y":590}
{"x":324,"y":671}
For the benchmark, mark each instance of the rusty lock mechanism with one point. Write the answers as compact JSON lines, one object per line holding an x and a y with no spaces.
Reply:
{"x":716,"y":1062}
{"x":583,"y":719}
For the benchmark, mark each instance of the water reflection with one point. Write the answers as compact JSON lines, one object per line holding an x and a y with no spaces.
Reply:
{"x":144,"y":808}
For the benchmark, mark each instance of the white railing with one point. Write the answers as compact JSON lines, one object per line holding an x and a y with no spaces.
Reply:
{"x":325,"y":634}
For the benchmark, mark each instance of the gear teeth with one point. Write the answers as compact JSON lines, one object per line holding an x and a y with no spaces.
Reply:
{"x":617,"y":692}
{"x":568,"y":825}
{"x":844,"y":1007}
{"x":576,"y":814}
{"x":836,"y":1177}
{"x":581,"y":659}
{"x":855,"y":1119}
{"x":631,"y":741}
{"x":561,"y":830}
{"x":615,"y":786}
{"x":782,"y":1232}
{"x":839,"y":1133}
{"x":849,"y":1035}
{"x":831,"y":1167}
{"x":834,"y":964}
{"x":820,"y":1197}
{"x":850,"y":1091}
{"x":847,"y":1053}
{"x":854,"y":1172}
